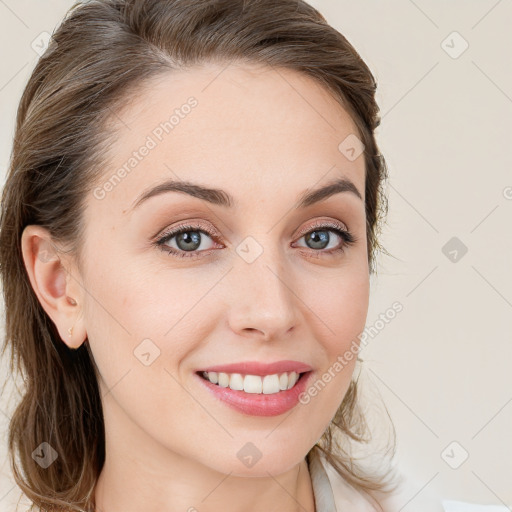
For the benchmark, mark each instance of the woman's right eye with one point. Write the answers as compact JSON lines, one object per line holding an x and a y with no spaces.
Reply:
{"x":188,"y":239}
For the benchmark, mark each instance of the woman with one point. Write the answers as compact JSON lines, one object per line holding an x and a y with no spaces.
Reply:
{"x":189,"y":224}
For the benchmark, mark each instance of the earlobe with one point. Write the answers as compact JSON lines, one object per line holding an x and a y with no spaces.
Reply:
{"x":56,"y":287}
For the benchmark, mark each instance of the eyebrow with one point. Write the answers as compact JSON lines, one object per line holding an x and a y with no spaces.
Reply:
{"x":222,"y":198}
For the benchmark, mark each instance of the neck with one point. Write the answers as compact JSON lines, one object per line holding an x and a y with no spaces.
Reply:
{"x":141,"y":474}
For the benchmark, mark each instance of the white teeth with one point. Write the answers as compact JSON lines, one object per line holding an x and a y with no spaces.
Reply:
{"x":236,"y":381}
{"x":268,"y":385}
{"x":292,"y":379}
{"x":223,"y":380}
{"x":253,"y":384}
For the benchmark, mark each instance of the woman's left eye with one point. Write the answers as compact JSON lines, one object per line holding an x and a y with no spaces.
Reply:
{"x":319,"y":238}
{"x":185,"y":241}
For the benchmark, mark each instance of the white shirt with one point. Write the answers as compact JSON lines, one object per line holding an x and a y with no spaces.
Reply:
{"x":332,"y":493}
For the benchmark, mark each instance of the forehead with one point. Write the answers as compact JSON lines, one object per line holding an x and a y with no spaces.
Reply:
{"x":251,"y":129}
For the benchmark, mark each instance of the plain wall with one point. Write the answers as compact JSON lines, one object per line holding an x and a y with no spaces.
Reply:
{"x":442,"y":365}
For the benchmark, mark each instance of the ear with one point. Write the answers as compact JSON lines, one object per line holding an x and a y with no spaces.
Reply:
{"x":55,"y":283}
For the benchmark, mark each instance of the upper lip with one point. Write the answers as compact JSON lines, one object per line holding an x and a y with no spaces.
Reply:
{"x":257,"y":368}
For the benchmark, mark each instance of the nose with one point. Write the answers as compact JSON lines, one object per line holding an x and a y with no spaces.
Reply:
{"x":263,"y":303}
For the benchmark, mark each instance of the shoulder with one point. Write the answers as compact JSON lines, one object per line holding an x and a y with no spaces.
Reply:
{"x":407,"y":492}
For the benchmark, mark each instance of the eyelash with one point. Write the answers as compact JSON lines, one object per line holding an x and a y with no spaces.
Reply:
{"x":345,"y":235}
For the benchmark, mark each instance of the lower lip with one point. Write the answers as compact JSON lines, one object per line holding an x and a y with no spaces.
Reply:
{"x":259,"y":404}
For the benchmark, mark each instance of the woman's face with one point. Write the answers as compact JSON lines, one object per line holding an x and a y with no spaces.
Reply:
{"x":254,"y":278}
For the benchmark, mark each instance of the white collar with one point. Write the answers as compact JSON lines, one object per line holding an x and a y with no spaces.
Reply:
{"x":331,"y":492}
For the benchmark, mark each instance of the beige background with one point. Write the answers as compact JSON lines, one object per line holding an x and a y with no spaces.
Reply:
{"x":442,"y":365}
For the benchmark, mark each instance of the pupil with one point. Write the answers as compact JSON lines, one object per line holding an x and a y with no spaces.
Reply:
{"x":188,"y":242}
{"x":320,"y":239}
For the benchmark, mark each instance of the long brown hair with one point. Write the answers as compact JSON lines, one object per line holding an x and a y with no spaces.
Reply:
{"x":102,"y":51}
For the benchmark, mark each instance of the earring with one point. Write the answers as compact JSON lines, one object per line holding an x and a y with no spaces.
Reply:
{"x":74,"y":303}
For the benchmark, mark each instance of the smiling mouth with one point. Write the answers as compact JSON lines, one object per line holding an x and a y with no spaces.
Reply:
{"x":253,"y":384}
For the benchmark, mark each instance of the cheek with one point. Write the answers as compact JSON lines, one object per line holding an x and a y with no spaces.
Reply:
{"x":339,"y":303}
{"x":348,"y":309}
{"x":121,"y":313}
{"x":140,"y":317}
{"x":340,"y":311}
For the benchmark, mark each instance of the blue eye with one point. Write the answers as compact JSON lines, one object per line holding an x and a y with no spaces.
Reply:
{"x":320,"y":238}
{"x":190,"y":238}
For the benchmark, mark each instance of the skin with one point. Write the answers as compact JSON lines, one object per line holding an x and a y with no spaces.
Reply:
{"x":265,"y":137}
